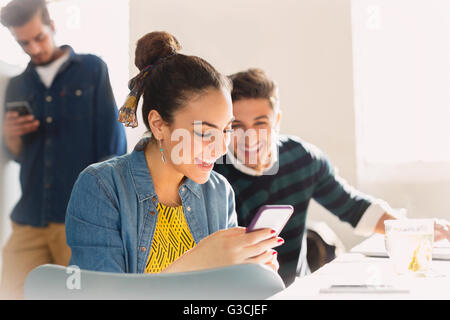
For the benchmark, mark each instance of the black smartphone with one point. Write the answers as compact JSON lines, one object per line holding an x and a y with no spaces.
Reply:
{"x":21,"y":107}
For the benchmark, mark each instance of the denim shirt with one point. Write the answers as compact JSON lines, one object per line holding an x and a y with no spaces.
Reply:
{"x":112,"y":215}
{"x":78,"y":126}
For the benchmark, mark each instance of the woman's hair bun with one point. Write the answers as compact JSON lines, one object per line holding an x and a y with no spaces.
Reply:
{"x":153,"y":46}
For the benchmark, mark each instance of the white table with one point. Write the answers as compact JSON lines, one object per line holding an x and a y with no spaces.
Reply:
{"x":356,"y":269}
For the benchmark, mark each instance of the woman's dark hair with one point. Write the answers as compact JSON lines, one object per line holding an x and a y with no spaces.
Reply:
{"x":254,"y":84}
{"x":18,"y":12}
{"x":174,"y":77}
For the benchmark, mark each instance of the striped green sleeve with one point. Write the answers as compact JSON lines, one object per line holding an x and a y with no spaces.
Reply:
{"x":336,"y":194}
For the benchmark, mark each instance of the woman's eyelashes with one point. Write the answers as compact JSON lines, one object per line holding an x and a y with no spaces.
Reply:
{"x":209,"y":133}
{"x":237,"y":125}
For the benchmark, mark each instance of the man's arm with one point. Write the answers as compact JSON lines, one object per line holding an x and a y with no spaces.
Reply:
{"x":365,"y":213}
{"x":337,"y":195}
{"x":373,"y":218}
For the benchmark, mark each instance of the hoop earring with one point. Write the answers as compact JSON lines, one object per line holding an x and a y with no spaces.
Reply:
{"x":162,"y":152}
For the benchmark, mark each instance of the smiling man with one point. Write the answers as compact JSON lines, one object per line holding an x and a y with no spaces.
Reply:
{"x":265,"y":168}
{"x":73,"y":123}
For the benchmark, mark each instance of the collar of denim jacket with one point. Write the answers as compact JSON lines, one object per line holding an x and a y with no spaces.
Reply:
{"x":73,"y":57}
{"x":193,"y":186}
{"x":142,"y":178}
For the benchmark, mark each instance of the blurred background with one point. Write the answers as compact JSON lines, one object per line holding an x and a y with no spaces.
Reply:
{"x":367,"y":81}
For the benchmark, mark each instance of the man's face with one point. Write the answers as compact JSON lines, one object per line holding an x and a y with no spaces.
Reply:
{"x":36,"y":39}
{"x":254,"y":124}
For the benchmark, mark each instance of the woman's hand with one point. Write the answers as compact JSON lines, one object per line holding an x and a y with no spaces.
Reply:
{"x":274,"y":262}
{"x":229,"y":247}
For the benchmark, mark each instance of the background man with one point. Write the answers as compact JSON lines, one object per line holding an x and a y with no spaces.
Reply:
{"x":73,"y":124}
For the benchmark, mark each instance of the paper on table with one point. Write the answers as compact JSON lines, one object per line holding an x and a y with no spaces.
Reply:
{"x":351,"y":288}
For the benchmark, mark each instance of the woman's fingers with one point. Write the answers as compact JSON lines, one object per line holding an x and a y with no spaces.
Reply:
{"x":268,"y":258}
{"x":262,"y":246}
{"x":257,"y":236}
{"x":274,"y":262}
{"x":256,"y":244}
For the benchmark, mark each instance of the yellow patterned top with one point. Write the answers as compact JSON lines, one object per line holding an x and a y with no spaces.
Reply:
{"x":172,"y":238}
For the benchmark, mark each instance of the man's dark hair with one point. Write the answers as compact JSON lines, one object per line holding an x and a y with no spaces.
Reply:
{"x":254,"y":84}
{"x":18,"y":12}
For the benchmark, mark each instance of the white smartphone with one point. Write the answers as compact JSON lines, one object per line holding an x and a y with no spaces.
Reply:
{"x":271,"y":216}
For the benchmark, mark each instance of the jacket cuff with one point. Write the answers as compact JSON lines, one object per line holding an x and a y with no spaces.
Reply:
{"x":368,"y":222}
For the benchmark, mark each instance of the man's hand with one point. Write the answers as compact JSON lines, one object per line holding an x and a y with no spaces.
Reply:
{"x":380,"y":224}
{"x":14,"y":127}
{"x":441,"y":229}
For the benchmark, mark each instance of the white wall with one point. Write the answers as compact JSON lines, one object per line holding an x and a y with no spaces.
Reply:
{"x":305,"y":45}
{"x":401,"y":80}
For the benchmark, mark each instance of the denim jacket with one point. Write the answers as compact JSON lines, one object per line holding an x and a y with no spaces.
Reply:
{"x":78,"y":127}
{"x":112,"y":215}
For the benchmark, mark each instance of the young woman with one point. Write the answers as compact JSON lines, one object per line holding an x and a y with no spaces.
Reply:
{"x":161,"y":208}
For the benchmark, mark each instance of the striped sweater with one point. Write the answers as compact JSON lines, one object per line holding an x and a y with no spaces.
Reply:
{"x":304,"y":173}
